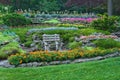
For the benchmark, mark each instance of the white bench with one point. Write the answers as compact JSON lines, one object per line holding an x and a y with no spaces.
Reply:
{"x":49,"y":39}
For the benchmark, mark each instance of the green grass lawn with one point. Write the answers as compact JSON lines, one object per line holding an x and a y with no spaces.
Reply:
{"x":108,"y":69}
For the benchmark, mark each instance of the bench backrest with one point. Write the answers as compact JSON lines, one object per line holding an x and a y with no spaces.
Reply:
{"x":54,"y":37}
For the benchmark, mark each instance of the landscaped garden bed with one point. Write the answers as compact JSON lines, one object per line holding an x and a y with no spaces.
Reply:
{"x":68,"y":56}
{"x":83,"y":39}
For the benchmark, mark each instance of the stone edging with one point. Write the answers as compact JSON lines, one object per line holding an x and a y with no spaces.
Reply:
{"x":37,"y":64}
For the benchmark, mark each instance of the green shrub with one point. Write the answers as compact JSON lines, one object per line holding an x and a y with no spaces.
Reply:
{"x":15,"y":20}
{"x":52,"y":21}
{"x":89,"y":31}
{"x":10,"y":49}
{"x":73,"y":45}
{"x":21,"y":32}
{"x":107,"y":43}
{"x":8,"y":45}
{"x":105,"y":23}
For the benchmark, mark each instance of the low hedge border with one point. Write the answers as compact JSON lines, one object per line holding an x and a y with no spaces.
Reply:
{"x":45,"y":56}
{"x":80,"y":60}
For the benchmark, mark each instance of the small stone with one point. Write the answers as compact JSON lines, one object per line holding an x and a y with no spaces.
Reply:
{"x":45,"y":64}
{"x":66,"y":62}
{"x":35,"y":64}
{"x":54,"y":62}
{"x":29,"y":64}
{"x":78,"y":61}
{"x":32,"y":45}
{"x":22,"y":65}
{"x":40,"y":63}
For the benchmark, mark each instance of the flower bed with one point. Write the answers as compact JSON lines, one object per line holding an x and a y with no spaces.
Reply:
{"x":44,"y":56}
{"x":99,"y":36}
{"x":82,"y":20}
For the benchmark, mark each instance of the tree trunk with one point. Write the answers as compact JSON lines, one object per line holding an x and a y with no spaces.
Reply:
{"x":110,"y":3}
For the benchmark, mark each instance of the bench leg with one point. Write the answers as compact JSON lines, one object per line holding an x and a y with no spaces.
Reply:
{"x":57,"y":46}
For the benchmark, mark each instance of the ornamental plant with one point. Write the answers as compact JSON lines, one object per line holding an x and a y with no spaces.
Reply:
{"x":9,"y":44}
{"x":15,"y":20}
{"x":94,"y":37}
{"x":80,"y":20}
{"x":45,"y":56}
{"x":107,"y":43}
{"x":105,"y":23}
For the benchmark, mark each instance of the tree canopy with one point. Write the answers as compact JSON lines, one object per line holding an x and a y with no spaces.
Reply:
{"x":97,"y":6}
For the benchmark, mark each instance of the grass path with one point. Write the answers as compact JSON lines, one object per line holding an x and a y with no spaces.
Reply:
{"x":108,"y":69}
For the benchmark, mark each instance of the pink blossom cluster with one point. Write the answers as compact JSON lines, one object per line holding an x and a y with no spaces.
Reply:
{"x":92,"y":37}
{"x":87,"y":20}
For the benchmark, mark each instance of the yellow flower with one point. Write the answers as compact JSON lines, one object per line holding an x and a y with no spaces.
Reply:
{"x":20,"y":62}
{"x":81,"y":54}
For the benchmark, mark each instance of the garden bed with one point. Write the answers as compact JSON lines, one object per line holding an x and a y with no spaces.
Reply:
{"x":6,"y":64}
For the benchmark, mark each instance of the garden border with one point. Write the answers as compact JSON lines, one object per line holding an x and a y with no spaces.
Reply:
{"x":6,"y":64}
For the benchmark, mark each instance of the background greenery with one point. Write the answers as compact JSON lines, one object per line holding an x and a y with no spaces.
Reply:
{"x":96,"y":6}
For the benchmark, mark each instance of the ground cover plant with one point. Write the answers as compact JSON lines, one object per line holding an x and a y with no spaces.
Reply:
{"x":9,"y":45}
{"x":72,"y":25}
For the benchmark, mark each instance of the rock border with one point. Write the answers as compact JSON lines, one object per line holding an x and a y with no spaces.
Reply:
{"x":6,"y":64}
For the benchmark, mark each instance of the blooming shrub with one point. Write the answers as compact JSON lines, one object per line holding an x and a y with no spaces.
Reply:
{"x":45,"y":56}
{"x":80,"y":20}
{"x":93,"y":37}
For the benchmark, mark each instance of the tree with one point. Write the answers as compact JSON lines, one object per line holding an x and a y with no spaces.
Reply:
{"x":110,"y":7}
{"x":86,"y":5}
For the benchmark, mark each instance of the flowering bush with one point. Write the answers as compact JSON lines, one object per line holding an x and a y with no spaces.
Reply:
{"x":93,"y":37}
{"x":41,"y":56}
{"x":81,"y":20}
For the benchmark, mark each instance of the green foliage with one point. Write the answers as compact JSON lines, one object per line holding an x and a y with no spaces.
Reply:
{"x":52,"y":21}
{"x":8,"y":45}
{"x":88,"y":48}
{"x":89,"y":31}
{"x":74,"y":45}
{"x":9,"y":49}
{"x":21,"y":32}
{"x":105,"y":23}
{"x":66,"y":35}
{"x":15,"y":20}
{"x":107,"y":43}
{"x":44,"y":56}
